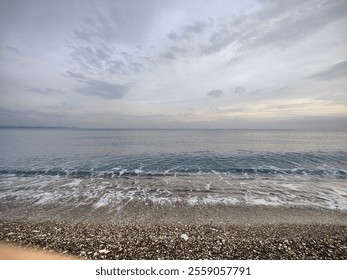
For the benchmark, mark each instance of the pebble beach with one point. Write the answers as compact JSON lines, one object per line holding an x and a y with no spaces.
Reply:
{"x":192,"y":237}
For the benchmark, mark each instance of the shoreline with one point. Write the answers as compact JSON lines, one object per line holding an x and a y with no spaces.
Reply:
{"x":138,"y":212}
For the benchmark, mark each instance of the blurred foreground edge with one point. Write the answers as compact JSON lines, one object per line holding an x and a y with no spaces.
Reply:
{"x":12,"y":252}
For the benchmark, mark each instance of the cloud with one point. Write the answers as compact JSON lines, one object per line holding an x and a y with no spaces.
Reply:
{"x":75,"y":75}
{"x":294,"y":106}
{"x":102,"y":89}
{"x":116,"y":66}
{"x":98,"y":26}
{"x":336,"y":71}
{"x":302,"y":19}
{"x":223,"y":37}
{"x":215,"y":93}
{"x":334,"y":98}
{"x":168,"y":55}
{"x":30,"y":117}
{"x":176,"y":54}
{"x":97,"y":88}
{"x":232,"y":110}
{"x":96,"y":60}
{"x":63,"y":106}
{"x":12,"y":50}
{"x":107,"y":38}
{"x":187,"y":31}
{"x":173,"y":53}
{"x":239,"y":90}
{"x":46,"y":91}
{"x":275,"y":24}
{"x":106,"y":60}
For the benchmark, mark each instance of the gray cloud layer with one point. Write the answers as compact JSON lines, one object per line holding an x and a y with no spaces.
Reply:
{"x":102,"y":89}
{"x":336,"y":71}
{"x":245,"y":32}
{"x":46,"y":91}
{"x":239,"y":90}
{"x":154,"y":58}
{"x":98,"y":88}
{"x":215,"y":93}
{"x":187,"y":31}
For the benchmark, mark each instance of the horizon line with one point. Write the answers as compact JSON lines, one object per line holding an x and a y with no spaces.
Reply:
{"x":110,"y":128}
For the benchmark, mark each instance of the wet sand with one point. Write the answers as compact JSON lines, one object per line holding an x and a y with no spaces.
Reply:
{"x":145,"y":231}
{"x":138,"y":212}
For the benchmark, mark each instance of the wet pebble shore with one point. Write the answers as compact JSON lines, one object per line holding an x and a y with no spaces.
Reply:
{"x":179,"y":241}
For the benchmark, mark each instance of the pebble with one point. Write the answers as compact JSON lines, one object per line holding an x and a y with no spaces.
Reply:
{"x":109,"y":241}
{"x":184,"y":237}
{"x":104,"y":251}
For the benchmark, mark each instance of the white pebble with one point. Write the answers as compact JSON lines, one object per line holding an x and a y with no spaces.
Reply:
{"x":184,"y":236}
{"x":104,"y":251}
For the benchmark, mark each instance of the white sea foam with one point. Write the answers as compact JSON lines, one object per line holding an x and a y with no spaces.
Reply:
{"x":104,"y":200}
{"x":73,"y":183}
{"x":291,"y":186}
{"x":193,"y":190}
{"x":122,"y":172}
{"x":138,"y":171}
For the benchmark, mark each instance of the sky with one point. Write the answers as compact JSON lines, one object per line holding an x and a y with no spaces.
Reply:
{"x":252,"y":64}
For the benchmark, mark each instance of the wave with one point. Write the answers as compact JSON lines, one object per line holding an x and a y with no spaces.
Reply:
{"x":179,"y":171}
{"x":320,"y":164}
{"x":193,"y":190}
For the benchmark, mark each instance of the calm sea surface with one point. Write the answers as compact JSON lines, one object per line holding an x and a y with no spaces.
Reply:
{"x":112,"y":167}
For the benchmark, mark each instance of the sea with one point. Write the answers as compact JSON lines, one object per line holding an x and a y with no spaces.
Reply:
{"x":110,"y":167}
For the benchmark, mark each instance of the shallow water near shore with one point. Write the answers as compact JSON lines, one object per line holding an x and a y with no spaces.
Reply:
{"x":105,"y":170}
